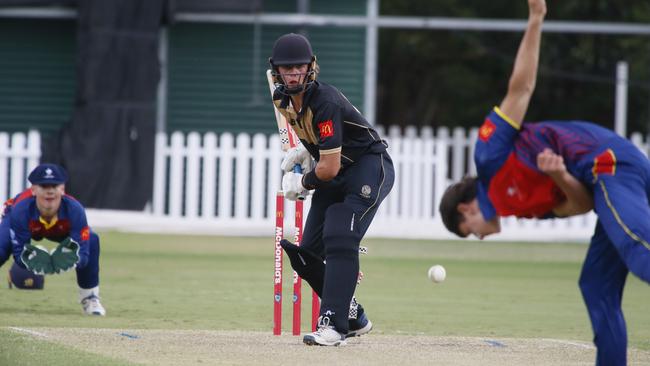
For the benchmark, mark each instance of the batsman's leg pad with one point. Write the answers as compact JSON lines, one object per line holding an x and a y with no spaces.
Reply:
{"x":307,"y":265}
{"x":341,"y":231}
{"x":341,"y":238}
{"x":304,"y":256}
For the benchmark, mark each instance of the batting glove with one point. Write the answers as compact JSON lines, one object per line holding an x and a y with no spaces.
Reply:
{"x":297,"y":155}
{"x":292,"y":186}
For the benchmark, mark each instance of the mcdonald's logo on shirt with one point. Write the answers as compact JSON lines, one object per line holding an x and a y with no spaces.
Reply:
{"x":326,"y":128}
{"x":487,"y":130}
{"x":85,"y":233}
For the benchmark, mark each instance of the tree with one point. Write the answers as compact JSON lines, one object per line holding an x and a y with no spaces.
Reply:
{"x":453,"y":78}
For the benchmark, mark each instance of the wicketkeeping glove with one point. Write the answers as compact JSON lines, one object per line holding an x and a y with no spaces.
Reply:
{"x":292,"y":186}
{"x":297,"y":155}
{"x":65,"y":256}
{"x":37,"y":260}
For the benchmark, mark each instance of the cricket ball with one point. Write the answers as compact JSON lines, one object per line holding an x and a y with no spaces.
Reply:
{"x":437,"y":273}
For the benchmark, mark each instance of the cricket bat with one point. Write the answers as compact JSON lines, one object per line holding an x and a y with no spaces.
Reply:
{"x":288,"y":138}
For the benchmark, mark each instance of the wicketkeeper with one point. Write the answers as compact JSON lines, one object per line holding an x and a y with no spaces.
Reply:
{"x":353,"y":174}
{"x":44,"y":211}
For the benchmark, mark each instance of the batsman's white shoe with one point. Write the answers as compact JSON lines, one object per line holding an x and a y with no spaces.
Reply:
{"x":92,"y":306}
{"x":325,"y":335}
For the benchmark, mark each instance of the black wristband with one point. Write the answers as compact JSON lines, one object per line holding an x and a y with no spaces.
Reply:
{"x":311,"y":181}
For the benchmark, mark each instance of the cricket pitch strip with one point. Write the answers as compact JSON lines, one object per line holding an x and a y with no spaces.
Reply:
{"x":207,"y":347}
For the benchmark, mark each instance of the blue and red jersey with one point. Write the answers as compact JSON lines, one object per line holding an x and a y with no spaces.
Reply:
{"x":26,"y":224}
{"x":510,"y":184}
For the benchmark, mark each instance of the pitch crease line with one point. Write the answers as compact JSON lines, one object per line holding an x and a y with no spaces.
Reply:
{"x":27,"y":331}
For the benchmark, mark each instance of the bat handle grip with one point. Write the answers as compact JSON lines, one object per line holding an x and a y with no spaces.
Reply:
{"x":298,"y":169}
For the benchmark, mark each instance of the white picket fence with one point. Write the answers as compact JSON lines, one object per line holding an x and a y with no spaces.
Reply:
{"x":226,"y":185}
{"x":19,"y":154}
{"x":231,"y":182}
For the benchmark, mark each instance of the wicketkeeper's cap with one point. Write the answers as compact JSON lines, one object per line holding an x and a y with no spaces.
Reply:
{"x":24,"y":279}
{"x":48,"y":174}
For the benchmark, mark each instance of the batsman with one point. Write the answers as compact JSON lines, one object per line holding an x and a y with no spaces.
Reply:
{"x":352,"y":176}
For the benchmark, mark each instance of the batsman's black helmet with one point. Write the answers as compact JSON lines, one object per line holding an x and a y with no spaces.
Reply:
{"x":291,"y":49}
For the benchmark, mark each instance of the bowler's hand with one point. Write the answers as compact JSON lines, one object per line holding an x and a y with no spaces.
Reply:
{"x":551,"y":163}
{"x":536,"y":8}
{"x":292,"y":186}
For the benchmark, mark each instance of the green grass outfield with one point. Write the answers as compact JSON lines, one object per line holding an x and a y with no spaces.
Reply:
{"x":198,"y":282}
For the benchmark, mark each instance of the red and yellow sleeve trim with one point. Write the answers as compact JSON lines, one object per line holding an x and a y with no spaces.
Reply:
{"x":510,"y":121}
{"x":604,"y":164}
